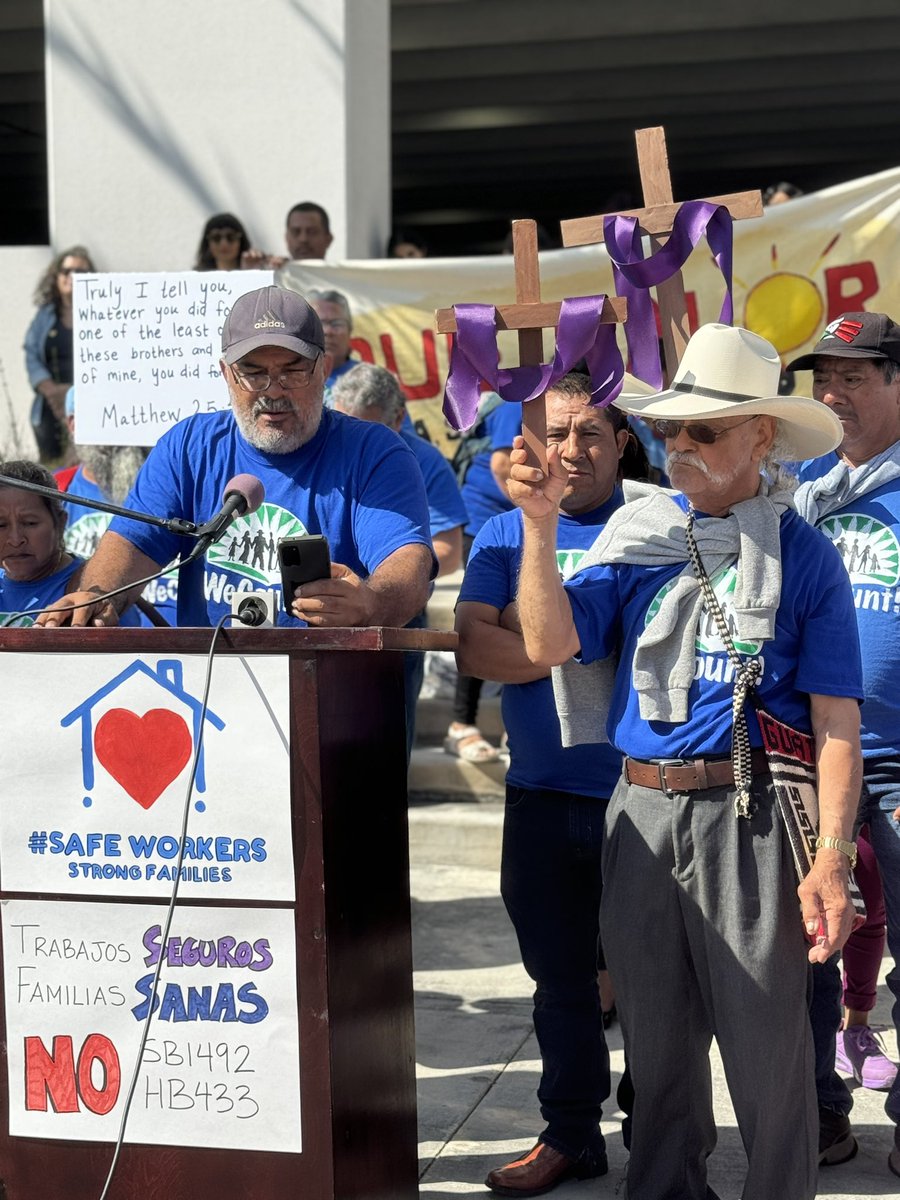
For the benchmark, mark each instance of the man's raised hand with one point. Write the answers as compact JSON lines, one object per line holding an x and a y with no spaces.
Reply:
{"x":536,"y":492}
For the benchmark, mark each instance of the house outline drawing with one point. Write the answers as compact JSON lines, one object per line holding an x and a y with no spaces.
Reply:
{"x":169,"y":675}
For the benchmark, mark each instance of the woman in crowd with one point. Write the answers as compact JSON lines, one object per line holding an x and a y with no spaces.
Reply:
{"x":48,"y":353}
{"x":223,"y":242}
{"x":35,"y":567}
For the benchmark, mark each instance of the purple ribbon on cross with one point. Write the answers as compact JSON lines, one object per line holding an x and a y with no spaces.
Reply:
{"x":634,"y":275}
{"x":474,"y":357}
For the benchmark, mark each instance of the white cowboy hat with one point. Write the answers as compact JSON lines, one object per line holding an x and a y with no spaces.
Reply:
{"x":726,"y":371}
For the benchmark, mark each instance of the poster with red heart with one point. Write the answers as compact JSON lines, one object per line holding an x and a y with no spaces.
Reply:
{"x":221,"y":1063}
{"x":111,"y":749}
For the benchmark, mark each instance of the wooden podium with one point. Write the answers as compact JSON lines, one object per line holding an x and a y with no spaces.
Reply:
{"x":351,"y":919}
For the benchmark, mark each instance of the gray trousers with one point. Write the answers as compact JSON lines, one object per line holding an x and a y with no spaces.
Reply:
{"x":700,"y":924}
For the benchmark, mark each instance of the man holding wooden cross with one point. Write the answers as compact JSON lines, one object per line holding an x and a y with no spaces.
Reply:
{"x":689,"y":601}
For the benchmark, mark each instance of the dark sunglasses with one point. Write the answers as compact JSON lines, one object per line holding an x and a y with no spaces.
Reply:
{"x":224,"y":235}
{"x":73,"y":270}
{"x":704,"y":434}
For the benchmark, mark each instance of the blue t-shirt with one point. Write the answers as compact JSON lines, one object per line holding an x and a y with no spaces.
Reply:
{"x":815,"y":468}
{"x":445,"y":503}
{"x":355,"y":482}
{"x":815,"y":649}
{"x":866,"y":533}
{"x":347,"y":365}
{"x":480,"y":493}
{"x":537,"y":758}
{"x":84,"y":529}
{"x":18,"y":597}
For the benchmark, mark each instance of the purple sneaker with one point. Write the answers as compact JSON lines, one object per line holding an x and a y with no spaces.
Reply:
{"x":859,"y":1053}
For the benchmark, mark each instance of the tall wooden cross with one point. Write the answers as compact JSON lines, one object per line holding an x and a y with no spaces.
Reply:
{"x":529,"y":316}
{"x":657,"y":220}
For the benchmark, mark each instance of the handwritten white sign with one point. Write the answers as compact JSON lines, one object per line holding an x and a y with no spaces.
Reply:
{"x":94,"y":802}
{"x":146,"y":350}
{"x":221,"y":1065}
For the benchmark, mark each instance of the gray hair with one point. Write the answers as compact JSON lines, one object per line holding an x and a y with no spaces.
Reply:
{"x":367,"y":386}
{"x":330,"y":296}
{"x":114,"y":468}
{"x":778,"y":466}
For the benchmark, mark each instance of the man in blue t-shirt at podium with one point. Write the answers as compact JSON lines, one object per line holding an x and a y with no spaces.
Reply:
{"x":321,"y":472}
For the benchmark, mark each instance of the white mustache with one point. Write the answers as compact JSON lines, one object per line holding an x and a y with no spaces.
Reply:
{"x":689,"y":459}
{"x":271,"y":406}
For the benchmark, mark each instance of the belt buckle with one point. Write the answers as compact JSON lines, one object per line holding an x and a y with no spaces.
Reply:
{"x":661,"y":767}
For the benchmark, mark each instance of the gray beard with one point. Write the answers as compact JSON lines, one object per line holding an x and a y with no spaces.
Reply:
{"x":113,"y":467}
{"x":273,"y":441}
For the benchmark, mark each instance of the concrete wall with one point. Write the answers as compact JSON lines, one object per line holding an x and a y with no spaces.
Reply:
{"x":160,"y":114}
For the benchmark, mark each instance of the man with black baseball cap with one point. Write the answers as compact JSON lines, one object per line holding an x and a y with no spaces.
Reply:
{"x":323,"y":472}
{"x":853,"y":496}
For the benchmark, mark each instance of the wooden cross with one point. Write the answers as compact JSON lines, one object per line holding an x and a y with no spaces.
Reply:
{"x":657,"y":220}
{"x":530,"y":316}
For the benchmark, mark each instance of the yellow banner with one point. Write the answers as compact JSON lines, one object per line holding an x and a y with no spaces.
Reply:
{"x":796,"y":268}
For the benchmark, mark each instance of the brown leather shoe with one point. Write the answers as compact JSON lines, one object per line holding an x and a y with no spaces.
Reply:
{"x":541,"y":1169}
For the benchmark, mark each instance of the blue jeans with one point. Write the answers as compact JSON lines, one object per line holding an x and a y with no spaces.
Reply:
{"x":880,"y":796}
{"x":550,"y":882}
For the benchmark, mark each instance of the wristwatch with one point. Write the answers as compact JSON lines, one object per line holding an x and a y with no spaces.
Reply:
{"x":836,"y":843}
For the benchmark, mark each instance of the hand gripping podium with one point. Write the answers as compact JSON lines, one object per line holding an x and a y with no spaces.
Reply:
{"x":279,"y":1058}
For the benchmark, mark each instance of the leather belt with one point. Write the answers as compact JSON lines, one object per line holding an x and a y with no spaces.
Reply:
{"x":689,"y":774}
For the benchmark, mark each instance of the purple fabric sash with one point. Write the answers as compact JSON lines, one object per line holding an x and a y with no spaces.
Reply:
{"x":474,"y":357}
{"x":634,"y":275}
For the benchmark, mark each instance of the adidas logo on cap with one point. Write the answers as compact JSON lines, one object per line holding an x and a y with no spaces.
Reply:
{"x":269,"y":321}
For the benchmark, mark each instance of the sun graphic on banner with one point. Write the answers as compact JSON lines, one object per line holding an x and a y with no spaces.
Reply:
{"x":785,"y":308}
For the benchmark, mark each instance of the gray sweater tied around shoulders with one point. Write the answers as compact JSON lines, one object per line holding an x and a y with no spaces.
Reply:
{"x":649,"y":530}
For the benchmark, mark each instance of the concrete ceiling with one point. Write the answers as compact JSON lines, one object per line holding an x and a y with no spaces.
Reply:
{"x":527,"y":108}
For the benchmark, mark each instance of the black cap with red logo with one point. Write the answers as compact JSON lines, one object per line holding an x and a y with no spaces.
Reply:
{"x":854,"y":335}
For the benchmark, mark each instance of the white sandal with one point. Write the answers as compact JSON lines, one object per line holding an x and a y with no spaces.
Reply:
{"x":468,"y":744}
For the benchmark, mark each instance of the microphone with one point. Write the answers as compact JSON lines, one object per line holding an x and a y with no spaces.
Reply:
{"x":243,"y":494}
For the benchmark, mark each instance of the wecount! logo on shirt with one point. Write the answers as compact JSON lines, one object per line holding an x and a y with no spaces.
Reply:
{"x":709,"y":641}
{"x":250,"y":544}
{"x":567,"y":561}
{"x":868,"y":548}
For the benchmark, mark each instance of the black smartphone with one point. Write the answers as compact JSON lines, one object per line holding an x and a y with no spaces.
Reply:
{"x":302,"y":559}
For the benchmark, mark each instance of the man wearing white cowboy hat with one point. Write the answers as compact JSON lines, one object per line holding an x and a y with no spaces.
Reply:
{"x":690,"y":600}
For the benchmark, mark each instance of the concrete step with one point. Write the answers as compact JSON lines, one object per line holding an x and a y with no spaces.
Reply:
{"x":435,"y":775}
{"x":456,"y":834}
{"x":434,"y":714}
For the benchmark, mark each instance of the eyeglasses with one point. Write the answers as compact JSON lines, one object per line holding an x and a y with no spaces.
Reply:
{"x":291,"y":379}
{"x":337,"y":323}
{"x":704,"y":434}
{"x":73,"y":271}
{"x":223,"y":235}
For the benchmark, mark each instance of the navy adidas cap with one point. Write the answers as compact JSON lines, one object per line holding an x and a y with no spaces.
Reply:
{"x":854,"y":335}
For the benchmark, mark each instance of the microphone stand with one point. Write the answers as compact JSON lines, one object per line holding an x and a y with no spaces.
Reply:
{"x":173,"y":524}
{"x":205,"y":534}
